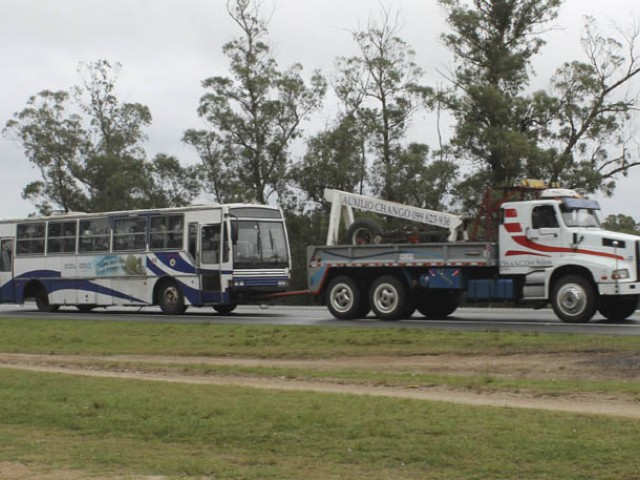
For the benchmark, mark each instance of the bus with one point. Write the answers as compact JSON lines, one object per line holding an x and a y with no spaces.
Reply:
{"x":213,"y":255}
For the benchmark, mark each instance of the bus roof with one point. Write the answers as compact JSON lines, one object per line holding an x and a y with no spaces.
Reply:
{"x":142,"y":211}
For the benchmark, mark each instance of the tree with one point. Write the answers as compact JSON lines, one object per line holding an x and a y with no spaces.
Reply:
{"x":493,"y":43}
{"x":53,"y":140}
{"x":88,"y":148}
{"x":113,"y":167}
{"x":334,"y":159}
{"x":254,"y":115}
{"x":381,"y":87}
{"x":565,"y":135}
{"x":171,"y":184}
{"x":587,"y":134}
{"x":621,"y":223}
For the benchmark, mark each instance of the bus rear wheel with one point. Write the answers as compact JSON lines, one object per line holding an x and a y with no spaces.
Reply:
{"x":170,"y":298}
{"x":225,"y":309}
{"x":42,"y":301}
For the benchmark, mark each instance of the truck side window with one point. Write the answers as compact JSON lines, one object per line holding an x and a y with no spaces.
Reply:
{"x":544,"y":216}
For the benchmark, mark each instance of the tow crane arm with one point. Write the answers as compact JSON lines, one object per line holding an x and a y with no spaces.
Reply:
{"x":346,"y":202}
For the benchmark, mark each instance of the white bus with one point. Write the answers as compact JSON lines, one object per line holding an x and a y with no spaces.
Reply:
{"x":216,"y":255}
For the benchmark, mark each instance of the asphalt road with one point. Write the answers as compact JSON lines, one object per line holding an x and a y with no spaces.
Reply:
{"x":464,"y":319}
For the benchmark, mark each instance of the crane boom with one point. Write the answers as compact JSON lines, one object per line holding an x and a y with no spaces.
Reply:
{"x":345,"y":201}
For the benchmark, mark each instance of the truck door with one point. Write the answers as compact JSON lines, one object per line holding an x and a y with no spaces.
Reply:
{"x":6,"y":270}
{"x":544,"y":236}
{"x":211,"y":244}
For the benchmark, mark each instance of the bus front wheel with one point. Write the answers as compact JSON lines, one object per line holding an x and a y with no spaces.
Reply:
{"x":170,"y":298}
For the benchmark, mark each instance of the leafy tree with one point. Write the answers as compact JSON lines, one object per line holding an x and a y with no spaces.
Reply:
{"x":113,"y":170}
{"x":587,"y":137}
{"x":493,"y":43}
{"x":381,"y":86}
{"x":254,"y":115}
{"x":621,"y":223}
{"x":424,"y":183}
{"x":572,"y":134}
{"x":171,"y":184}
{"x":53,"y":140}
{"x":334,"y":159}
{"x":88,"y":148}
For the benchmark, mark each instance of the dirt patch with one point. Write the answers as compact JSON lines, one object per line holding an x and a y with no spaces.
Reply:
{"x":547,"y":367}
{"x":20,"y":471}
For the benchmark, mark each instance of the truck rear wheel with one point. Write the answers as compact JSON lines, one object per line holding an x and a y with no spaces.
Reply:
{"x":618,"y":307}
{"x":388,"y":298}
{"x":345,"y":300}
{"x":437,"y":305}
{"x":573,"y":299}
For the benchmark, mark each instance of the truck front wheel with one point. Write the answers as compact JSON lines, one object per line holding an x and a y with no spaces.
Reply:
{"x":345,"y":300}
{"x":573,"y":299}
{"x":618,"y":307}
{"x":388,"y":298}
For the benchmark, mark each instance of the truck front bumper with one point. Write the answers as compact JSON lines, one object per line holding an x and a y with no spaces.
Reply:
{"x":619,"y":288}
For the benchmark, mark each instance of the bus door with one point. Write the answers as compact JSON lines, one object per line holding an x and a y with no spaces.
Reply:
{"x":6,"y":270}
{"x":211,"y":247}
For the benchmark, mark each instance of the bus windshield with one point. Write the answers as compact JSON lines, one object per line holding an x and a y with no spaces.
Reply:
{"x":260,"y":244}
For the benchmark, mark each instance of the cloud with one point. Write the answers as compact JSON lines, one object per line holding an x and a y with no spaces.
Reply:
{"x":167,"y":47}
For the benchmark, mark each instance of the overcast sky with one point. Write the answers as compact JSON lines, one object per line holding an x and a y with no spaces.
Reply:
{"x":167,"y":47}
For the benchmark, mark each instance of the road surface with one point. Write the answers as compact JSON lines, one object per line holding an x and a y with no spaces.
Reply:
{"x":465,"y":319}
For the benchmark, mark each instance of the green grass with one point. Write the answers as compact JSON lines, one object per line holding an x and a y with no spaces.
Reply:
{"x":134,"y":427}
{"x":127,"y":427}
{"x":265,"y":341}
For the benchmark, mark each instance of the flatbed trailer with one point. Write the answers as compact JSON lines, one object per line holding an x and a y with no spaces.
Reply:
{"x":402,"y":278}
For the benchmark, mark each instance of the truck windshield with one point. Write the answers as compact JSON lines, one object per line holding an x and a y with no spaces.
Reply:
{"x":260,"y":244}
{"x":580,"y":213}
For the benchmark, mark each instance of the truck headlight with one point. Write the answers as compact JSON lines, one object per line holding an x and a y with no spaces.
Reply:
{"x":620,"y":274}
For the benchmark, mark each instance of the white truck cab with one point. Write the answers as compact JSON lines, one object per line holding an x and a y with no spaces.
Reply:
{"x":557,"y":243}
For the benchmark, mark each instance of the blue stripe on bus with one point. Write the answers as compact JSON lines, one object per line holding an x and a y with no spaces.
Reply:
{"x":173,"y":261}
{"x":37,"y":274}
{"x":88,"y":286}
{"x":155,"y":269}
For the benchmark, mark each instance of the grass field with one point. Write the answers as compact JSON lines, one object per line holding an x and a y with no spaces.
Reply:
{"x":118,"y":428}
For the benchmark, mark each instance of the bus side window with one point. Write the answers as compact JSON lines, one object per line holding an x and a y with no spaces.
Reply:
{"x":94,"y":235}
{"x":166,"y":232}
{"x":210,"y":243}
{"x":30,"y":238}
{"x":193,"y":238}
{"x":61,"y":237}
{"x":130,"y":234}
{"x":5,"y":259}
